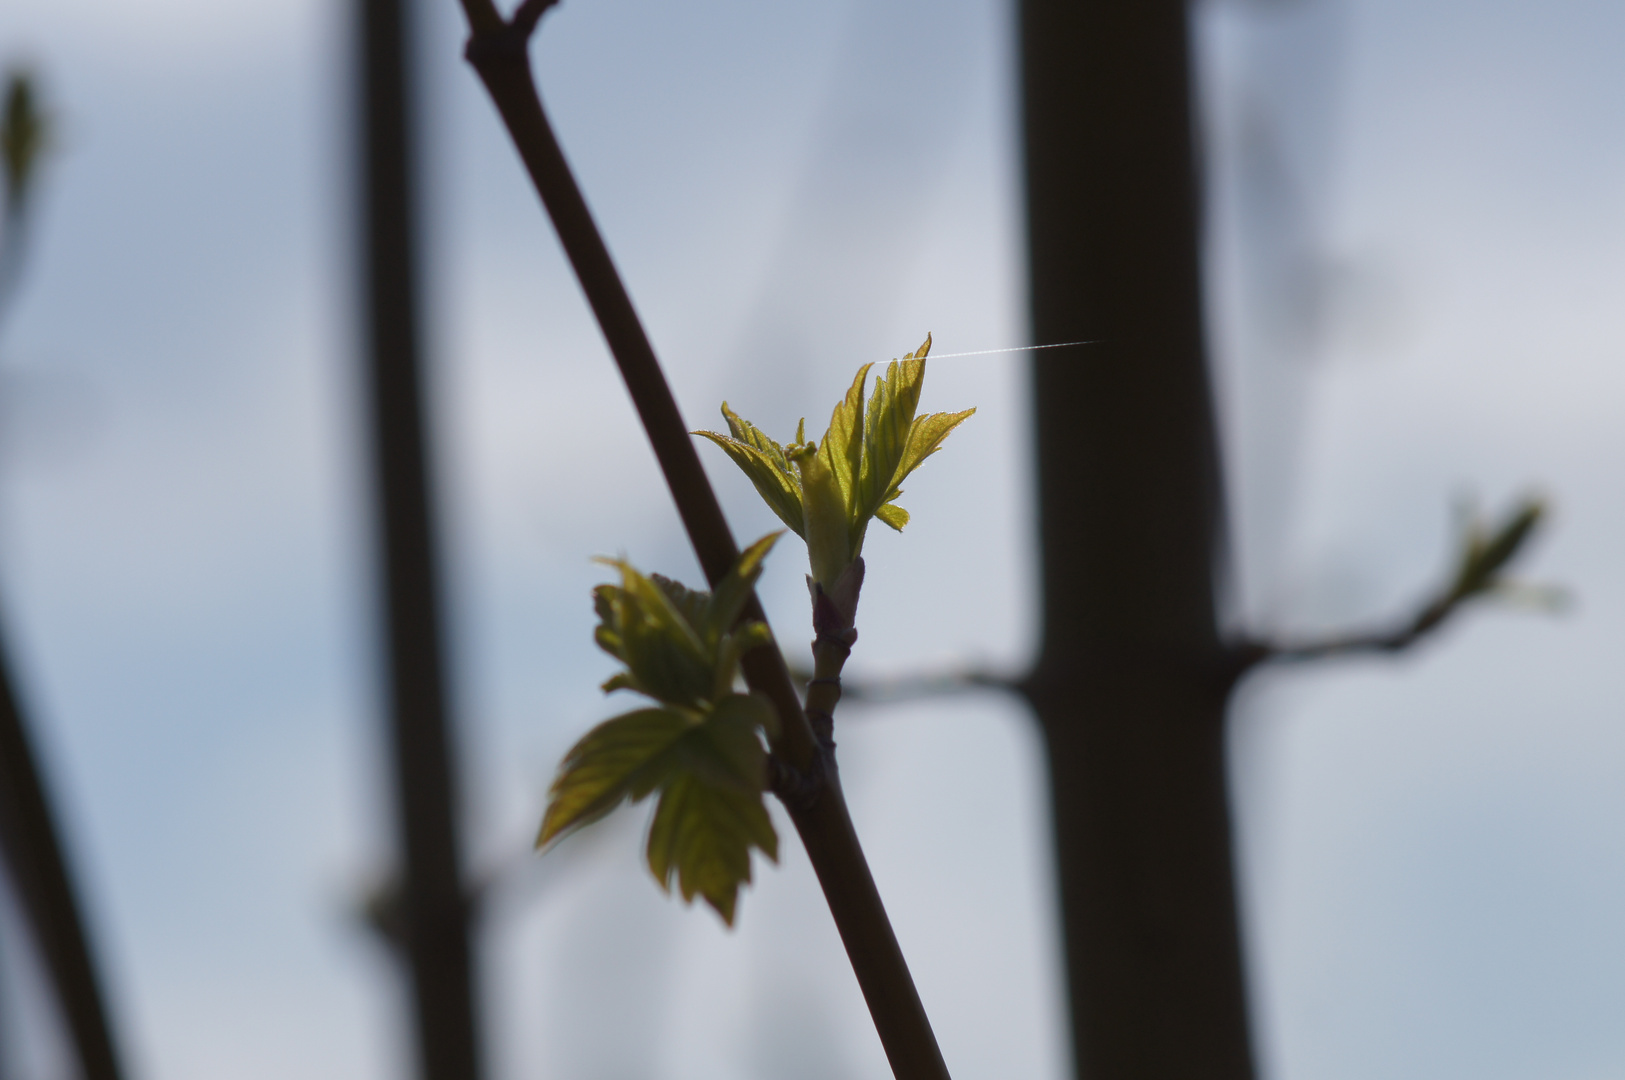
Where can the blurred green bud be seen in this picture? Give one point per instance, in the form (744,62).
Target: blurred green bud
(24,137)
(1487,551)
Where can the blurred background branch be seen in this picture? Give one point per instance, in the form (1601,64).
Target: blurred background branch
(1480,573)
(30,838)
(24,137)
(432,908)
(1487,550)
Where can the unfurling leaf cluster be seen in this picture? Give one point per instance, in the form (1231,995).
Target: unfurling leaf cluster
(699,746)
(828,491)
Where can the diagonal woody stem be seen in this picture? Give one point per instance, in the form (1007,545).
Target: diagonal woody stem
(497,50)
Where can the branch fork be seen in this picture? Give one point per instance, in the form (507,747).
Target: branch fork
(507,39)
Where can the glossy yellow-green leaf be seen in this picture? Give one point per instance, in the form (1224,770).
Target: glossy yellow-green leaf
(924,439)
(625,757)
(842,448)
(749,434)
(781,493)
(702,834)
(855,474)
(886,429)
(765,463)
(893,515)
(828,532)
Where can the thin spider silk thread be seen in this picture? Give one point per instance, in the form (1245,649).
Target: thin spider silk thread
(1016,348)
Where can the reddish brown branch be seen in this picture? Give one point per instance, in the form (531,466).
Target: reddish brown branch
(497,51)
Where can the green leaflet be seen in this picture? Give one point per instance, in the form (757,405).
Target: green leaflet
(828,533)
(678,644)
(711,774)
(764,461)
(842,448)
(625,757)
(690,603)
(703,834)
(701,747)
(893,515)
(662,650)
(711,813)
(855,474)
(925,438)
(886,429)
(725,750)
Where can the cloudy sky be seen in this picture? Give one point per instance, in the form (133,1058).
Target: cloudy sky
(1417,216)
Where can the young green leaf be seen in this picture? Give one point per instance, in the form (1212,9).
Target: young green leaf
(732,728)
(842,448)
(764,462)
(827,493)
(663,651)
(893,515)
(925,438)
(643,625)
(828,532)
(702,748)
(690,603)
(886,429)
(703,834)
(625,757)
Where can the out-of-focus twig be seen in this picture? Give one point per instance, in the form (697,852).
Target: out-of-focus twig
(433,917)
(508,882)
(1480,573)
(912,686)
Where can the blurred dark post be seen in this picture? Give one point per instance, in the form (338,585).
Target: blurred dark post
(33,853)
(1132,681)
(435,904)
